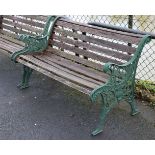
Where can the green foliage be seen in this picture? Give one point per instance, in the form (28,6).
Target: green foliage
(146,90)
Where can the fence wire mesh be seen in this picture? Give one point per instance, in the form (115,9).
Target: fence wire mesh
(146,66)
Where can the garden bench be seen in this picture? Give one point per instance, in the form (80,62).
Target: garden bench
(97,61)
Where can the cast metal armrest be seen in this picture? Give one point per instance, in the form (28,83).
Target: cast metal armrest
(36,44)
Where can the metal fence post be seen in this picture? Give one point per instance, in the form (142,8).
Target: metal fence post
(1,18)
(130,24)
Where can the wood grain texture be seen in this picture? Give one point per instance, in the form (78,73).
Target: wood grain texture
(128,38)
(24,21)
(17,25)
(76,67)
(105,29)
(91,47)
(77,59)
(55,77)
(94,40)
(92,55)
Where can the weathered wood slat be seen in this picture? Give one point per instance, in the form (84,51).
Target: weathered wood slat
(88,54)
(5,42)
(55,77)
(105,29)
(86,71)
(97,49)
(76,59)
(8,34)
(99,32)
(9,48)
(11,40)
(6,46)
(61,73)
(18,31)
(24,21)
(21,26)
(68,71)
(36,17)
(97,41)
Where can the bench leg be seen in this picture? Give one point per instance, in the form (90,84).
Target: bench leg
(26,76)
(102,116)
(105,108)
(132,103)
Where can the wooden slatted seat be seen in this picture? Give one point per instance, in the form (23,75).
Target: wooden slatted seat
(77,54)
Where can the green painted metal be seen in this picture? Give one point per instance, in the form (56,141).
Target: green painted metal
(36,44)
(26,76)
(120,85)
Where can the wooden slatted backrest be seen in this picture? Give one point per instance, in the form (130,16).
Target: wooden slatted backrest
(91,45)
(13,25)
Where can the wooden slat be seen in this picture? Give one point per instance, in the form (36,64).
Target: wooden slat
(25,21)
(53,76)
(105,29)
(10,39)
(36,17)
(67,70)
(19,31)
(10,43)
(61,73)
(97,41)
(21,26)
(76,59)
(100,32)
(9,48)
(81,69)
(97,49)
(8,34)
(88,54)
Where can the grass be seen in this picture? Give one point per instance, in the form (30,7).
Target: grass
(145,90)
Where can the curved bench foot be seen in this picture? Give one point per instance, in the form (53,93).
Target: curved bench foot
(96,132)
(103,113)
(23,86)
(135,112)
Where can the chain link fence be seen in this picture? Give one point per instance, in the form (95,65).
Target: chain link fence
(146,66)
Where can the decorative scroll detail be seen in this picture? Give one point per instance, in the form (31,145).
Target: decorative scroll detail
(36,44)
(122,77)
(120,85)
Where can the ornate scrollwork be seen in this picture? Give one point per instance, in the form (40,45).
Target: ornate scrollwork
(122,77)
(36,44)
(119,86)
